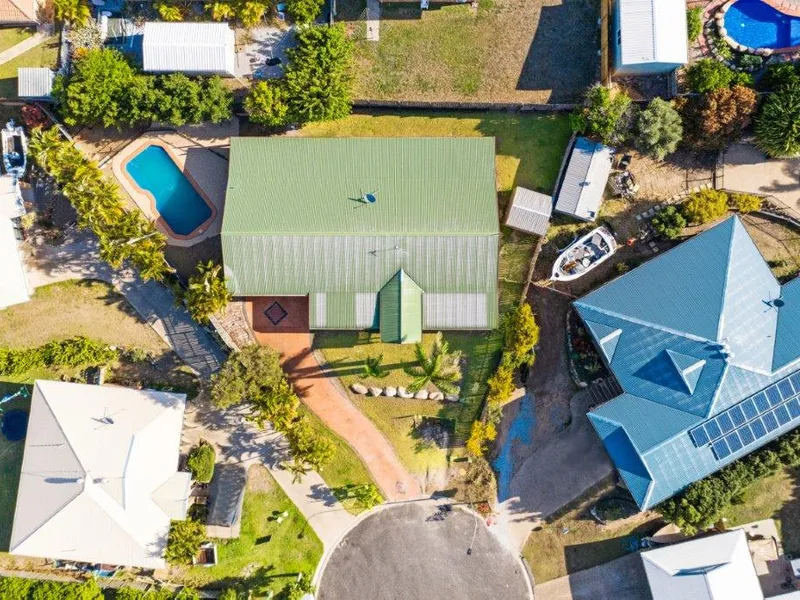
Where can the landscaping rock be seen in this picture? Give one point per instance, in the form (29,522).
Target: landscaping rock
(374,391)
(436,396)
(359,389)
(451,398)
(421,395)
(390,391)
(404,393)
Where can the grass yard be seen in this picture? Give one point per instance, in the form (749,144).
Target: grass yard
(267,555)
(574,541)
(11,37)
(534,51)
(43,55)
(10,467)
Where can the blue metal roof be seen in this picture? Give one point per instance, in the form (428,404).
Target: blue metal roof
(688,335)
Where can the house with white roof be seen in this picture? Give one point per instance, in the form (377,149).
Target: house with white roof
(100,480)
(190,48)
(649,36)
(14,285)
(709,568)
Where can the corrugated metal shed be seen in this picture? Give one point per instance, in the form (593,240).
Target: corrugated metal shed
(688,335)
(580,193)
(35,83)
(296,222)
(530,211)
(652,31)
(191,48)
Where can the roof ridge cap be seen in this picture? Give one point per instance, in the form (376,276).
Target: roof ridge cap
(728,271)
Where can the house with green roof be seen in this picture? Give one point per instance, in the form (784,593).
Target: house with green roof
(705,344)
(398,235)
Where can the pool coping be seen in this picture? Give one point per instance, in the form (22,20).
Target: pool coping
(141,145)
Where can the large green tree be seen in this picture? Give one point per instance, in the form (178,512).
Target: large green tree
(604,115)
(659,129)
(75,12)
(97,89)
(713,120)
(304,11)
(246,375)
(778,123)
(319,76)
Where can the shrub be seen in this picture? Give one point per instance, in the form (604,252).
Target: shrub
(659,129)
(694,22)
(229,594)
(668,223)
(366,495)
(201,462)
(33,116)
(479,437)
(746,203)
(750,61)
(622,267)
(707,75)
(72,11)
(501,384)
(72,352)
(777,133)
(780,75)
(304,11)
(520,335)
(705,206)
(715,119)
(604,115)
(184,541)
(266,103)
(207,293)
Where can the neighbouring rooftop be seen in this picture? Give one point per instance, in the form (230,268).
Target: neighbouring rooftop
(529,211)
(186,47)
(35,83)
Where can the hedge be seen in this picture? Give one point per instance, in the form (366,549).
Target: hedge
(72,352)
(18,588)
(201,462)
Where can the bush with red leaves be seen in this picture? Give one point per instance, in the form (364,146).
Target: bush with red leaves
(33,116)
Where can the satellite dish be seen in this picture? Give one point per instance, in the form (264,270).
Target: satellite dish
(370,198)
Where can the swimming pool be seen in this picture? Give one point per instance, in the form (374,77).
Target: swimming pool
(176,200)
(755,24)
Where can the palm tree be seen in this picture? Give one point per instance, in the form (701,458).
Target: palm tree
(206,293)
(72,11)
(440,368)
(373,369)
(297,468)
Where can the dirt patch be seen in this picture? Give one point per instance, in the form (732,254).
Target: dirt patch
(259,479)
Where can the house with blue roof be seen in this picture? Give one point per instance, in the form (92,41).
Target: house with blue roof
(705,344)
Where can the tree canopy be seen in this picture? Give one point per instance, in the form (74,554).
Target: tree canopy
(659,129)
(778,123)
(713,120)
(668,223)
(184,541)
(266,104)
(75,12)
(207,292)
(604,115)
(304,11)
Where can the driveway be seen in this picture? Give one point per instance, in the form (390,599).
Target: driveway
(263,54)
(621,579)
(415,551)
(747,169)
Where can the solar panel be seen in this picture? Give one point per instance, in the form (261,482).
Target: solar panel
(699,436)
(721,449)
(786,389)
(712,429)
(758,429)
(795,379)
(749,409)
(794,408)
(770,422)
(782,414)
(733,441)
(737,416)
(761,402)
(725,423)
(746,435)
(774,395)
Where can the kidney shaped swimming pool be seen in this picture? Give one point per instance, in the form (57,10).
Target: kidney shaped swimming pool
(756,24)
(176,199)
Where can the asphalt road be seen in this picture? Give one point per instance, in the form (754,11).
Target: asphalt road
(415,552)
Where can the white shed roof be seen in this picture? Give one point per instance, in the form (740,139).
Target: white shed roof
(99,477)
(35,82)
(653,31)
(580,193)
(192,48)
(710,568)
(13,281)
(530,211)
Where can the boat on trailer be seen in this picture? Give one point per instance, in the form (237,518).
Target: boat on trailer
(15,149)
(584,254)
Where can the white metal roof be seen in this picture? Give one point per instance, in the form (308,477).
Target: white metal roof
(653,31)
(13,281)
(11,202)
(530,211)
(99,479)
(583,185)
(192,48)
(35,82)
(711,568)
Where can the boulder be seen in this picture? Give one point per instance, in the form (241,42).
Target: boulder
(375,391)
(436,396)
(390,391)
(359,389)
(404,393)
(451,398)
(421,395)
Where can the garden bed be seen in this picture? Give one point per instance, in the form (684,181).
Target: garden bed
(586,365)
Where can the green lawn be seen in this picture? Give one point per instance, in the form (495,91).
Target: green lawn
(11,37)
(267,555)
(10,467)
(43,55)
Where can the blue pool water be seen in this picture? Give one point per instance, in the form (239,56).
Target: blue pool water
(177,201)
(519,433)
(756,24)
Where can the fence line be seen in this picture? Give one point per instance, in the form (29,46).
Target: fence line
(461,106)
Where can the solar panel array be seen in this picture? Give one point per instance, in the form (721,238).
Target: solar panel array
(751,419)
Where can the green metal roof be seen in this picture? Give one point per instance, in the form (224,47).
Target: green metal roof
(315,185)
(401,310)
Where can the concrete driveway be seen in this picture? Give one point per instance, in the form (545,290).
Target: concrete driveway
(747,169)
(621,579)
(416,551)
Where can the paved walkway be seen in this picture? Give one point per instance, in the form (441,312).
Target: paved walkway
(337,412)
(25,45)
(78,258)
(373,20)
